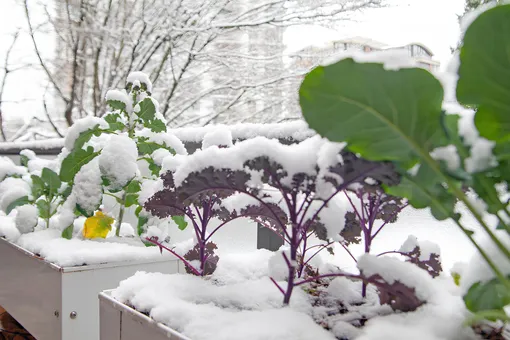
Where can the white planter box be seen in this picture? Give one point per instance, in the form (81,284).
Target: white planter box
(54,302)
(120,322)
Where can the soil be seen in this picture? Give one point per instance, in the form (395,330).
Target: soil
(10,329)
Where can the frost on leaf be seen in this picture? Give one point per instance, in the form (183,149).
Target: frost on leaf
(209,260)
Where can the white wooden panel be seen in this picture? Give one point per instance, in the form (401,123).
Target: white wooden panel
(81,288)
(30,290)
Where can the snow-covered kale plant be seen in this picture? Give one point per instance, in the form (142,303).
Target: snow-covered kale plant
(296,190)
(440,148)
(371,211)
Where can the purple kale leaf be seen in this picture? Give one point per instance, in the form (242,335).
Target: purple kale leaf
(354,169)
(432,265)
(208,259)
(397,295)
(221,183)
(165,203)
(352,229)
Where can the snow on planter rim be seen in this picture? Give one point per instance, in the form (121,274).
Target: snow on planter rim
(53,248)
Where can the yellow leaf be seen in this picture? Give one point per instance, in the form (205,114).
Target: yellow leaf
(97,226)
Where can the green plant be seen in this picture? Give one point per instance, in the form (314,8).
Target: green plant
(136,130)
(388,115)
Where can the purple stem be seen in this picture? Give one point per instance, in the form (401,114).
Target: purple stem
(318,251)
(186,263)
(278,286)
(348,252)
(392,252)
(389,219)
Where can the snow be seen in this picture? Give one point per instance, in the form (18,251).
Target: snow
(345,290)
(295,158)
(117,161)
(333,215)
(148,188)
(8,228)
(121,96)
(478,270)
(164,138)
(11,183)
(392,270)
(12,194)
(328,155)
(82,125)
(239,302)
(8,168)
(278,268)
(426,248)
(218,137)
(480,154)
(51,143)
(204,309)
(449,155)
(52,247)
(141,78)
(159,155)
(26,218)
(36,164)
(297,130)
(88,188)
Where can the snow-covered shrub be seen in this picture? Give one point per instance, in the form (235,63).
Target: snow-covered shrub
(398,115)
(114,155)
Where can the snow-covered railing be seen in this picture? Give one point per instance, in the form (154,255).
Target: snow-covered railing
(192,137)
(40,147)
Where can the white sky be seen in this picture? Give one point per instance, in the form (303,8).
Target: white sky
(433,23)
(430,22)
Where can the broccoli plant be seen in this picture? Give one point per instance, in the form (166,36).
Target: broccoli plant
(437,154)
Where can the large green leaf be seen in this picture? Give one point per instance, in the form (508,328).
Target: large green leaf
(484,72)
(116,104)
(156,125)
(381,114)
(38,186)
(133,187)
(17,203)
(52,180)
(492,295)
(113,122)
(44,208)
(424,190)
(74,161)
(147,110)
